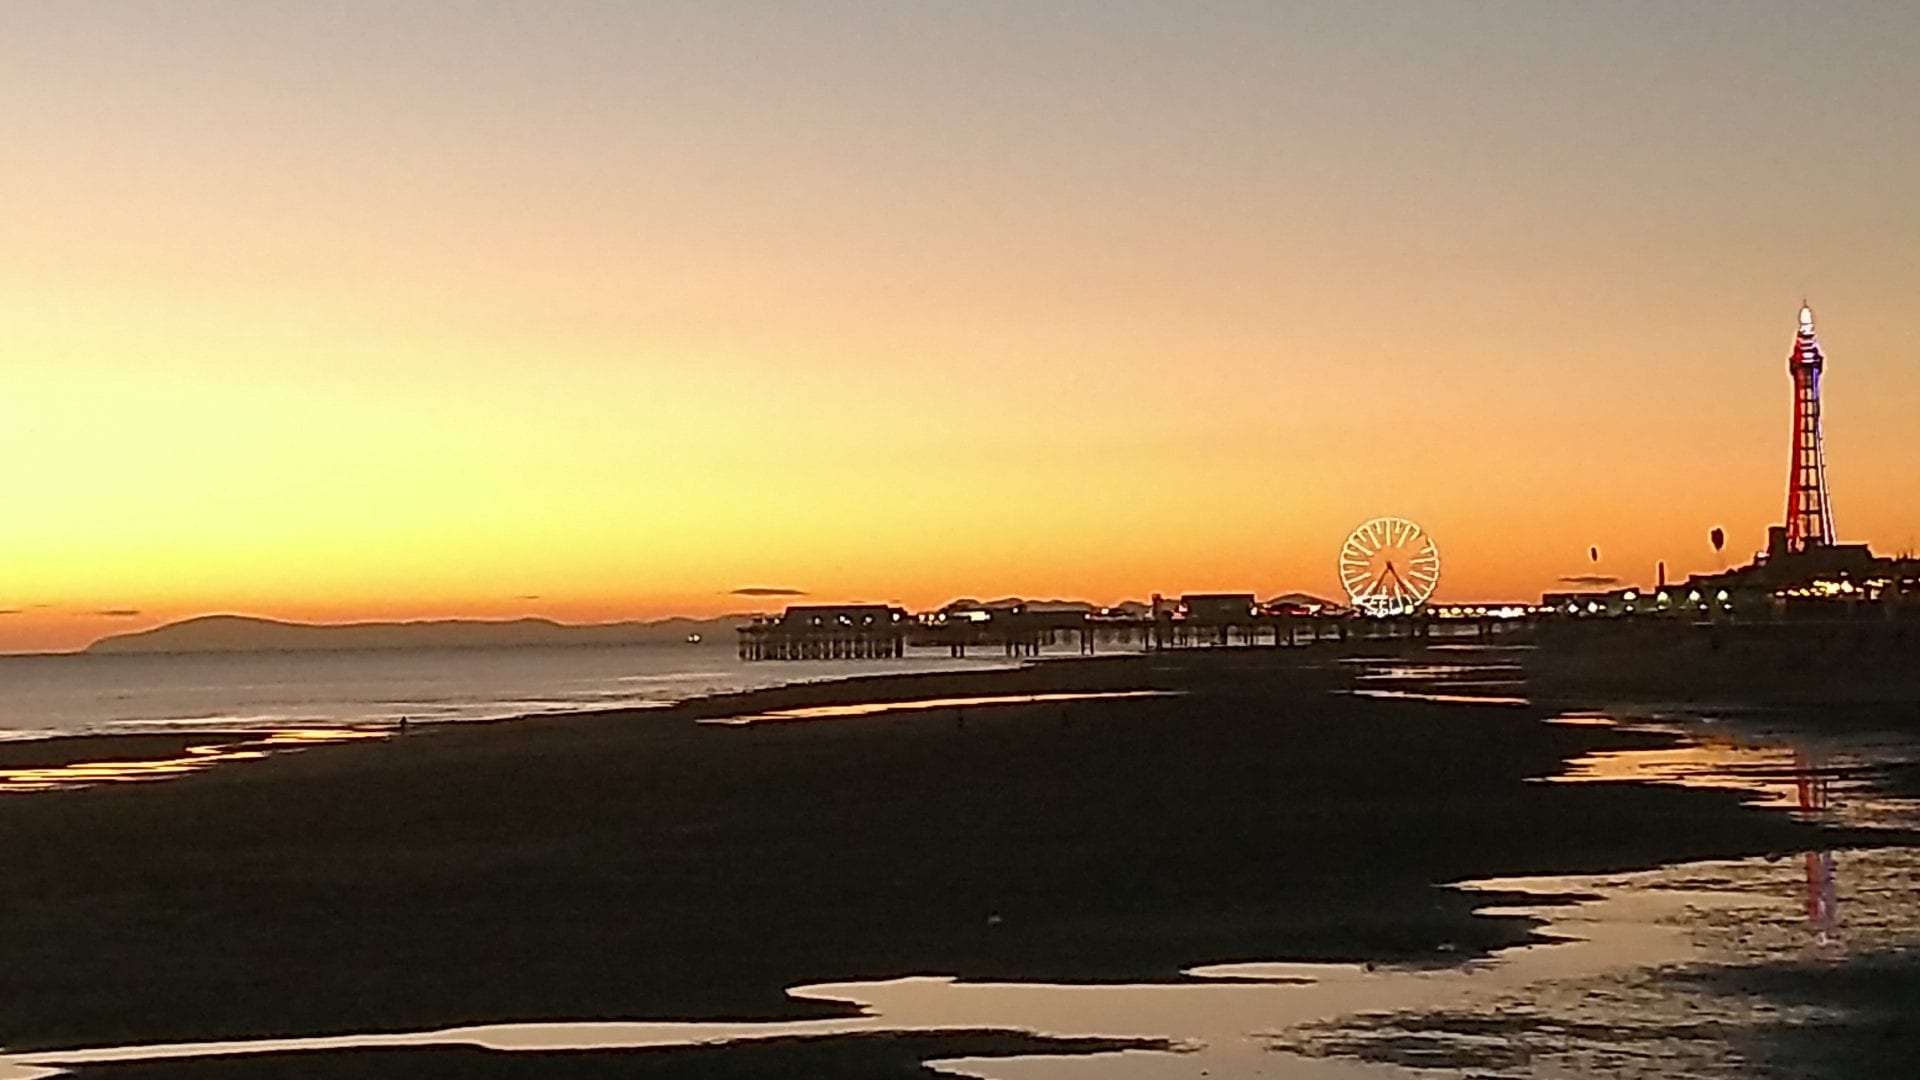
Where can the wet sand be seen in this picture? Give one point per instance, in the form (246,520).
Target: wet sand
(850,1057)
(644,865)
(1856,662)
(66,750)
(1866,1028)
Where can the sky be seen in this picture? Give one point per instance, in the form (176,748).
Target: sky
(594,311)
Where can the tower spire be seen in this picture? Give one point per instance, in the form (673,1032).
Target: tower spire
(1809,508)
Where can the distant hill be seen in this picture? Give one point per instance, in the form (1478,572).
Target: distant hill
(245,633)
(1300,599)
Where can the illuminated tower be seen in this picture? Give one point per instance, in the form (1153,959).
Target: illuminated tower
(1809,510)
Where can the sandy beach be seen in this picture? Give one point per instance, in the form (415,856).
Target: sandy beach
(651,866)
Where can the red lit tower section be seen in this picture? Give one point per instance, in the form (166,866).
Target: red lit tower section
(1809,509)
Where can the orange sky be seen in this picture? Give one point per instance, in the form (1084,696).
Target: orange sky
(325,311)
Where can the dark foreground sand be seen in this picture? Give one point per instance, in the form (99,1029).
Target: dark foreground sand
(639,866)
(1872,662)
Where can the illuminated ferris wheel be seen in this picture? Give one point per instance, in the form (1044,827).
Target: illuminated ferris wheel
(1389,566)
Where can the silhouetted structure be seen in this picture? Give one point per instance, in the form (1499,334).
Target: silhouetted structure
(1017,628)
(1809,520)
(1215,617)
(827,632)
(1803,574)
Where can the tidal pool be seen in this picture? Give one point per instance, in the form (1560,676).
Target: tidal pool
(218,749)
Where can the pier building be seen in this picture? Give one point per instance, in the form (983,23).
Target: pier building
(826,632)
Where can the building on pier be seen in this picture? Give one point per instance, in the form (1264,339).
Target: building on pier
(827,632)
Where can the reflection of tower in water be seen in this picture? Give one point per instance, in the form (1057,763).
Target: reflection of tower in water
(1815,799)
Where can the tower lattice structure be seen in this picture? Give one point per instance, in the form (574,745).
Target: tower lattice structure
(1809,508)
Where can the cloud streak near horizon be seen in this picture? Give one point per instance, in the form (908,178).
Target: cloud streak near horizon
(764,590)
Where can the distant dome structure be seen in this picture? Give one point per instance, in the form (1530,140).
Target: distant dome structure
(1389,566)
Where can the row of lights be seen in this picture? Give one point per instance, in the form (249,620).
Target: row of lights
(1825,589)
(1504,611)
(847,620)
(1662,601)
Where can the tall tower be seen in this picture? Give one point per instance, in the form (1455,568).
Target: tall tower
(1809,509)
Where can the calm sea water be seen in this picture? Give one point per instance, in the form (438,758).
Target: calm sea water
(81,694)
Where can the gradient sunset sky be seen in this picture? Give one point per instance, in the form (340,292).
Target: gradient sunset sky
(593,310)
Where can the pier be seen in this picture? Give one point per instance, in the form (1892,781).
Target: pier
(827,632)
(1020,630)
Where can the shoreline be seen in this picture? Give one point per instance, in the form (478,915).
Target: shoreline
(1549,678)
(637,863)
(52,749)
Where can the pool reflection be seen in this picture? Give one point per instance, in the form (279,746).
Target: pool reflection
(194,758)
(1774,775)
(1815,789)
(1798,779)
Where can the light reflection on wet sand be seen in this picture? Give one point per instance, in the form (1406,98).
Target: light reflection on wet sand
(1771,774)
(1815,783)
(193,759)
(1444,683)
(875,708)
(1442,698)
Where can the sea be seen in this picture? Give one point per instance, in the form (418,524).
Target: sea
(105,694)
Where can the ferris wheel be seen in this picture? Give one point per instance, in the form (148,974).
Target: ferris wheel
(1389,566)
